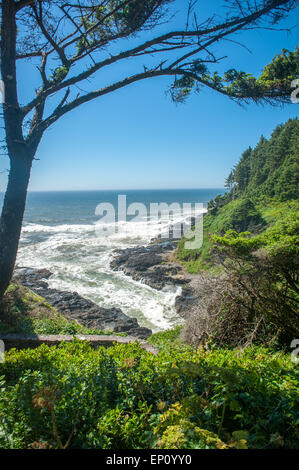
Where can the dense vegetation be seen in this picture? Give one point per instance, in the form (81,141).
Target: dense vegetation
(200,391)
(264,178)
(251,250)
(125,397)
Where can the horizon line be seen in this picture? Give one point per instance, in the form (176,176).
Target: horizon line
(117,189)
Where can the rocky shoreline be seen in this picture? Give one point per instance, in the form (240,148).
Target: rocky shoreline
(151,264)
(75,307)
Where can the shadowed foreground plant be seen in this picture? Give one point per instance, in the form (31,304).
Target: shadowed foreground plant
(45,399)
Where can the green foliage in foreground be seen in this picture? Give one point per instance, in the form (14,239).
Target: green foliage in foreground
(24,312)
(124,397)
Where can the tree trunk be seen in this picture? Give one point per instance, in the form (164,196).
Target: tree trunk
(20,152)
(12,216)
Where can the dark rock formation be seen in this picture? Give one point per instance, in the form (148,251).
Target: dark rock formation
(153,265)
(185,301)
(150,264)
(74,307)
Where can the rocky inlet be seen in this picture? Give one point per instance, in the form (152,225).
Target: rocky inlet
(74,307)
(153,265)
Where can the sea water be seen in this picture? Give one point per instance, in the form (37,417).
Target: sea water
(59,234)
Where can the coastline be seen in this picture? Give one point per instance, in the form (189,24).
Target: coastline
(153,265)
(150,264)
(75,307)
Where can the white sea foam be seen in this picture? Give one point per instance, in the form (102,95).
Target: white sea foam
(80,261)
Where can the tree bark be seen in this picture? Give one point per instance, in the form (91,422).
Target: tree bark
(12,216)
(20,153)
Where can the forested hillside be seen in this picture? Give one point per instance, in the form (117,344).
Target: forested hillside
(271,168)
(249,261)
(261,189)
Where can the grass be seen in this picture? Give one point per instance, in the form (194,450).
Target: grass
(275,211)
(195,261)
(165,339)
(24,312)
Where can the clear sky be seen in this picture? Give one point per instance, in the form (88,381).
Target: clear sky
(137,138)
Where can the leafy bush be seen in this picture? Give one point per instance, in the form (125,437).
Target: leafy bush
(163,339)
(238,215)
(266,177)
(124,397)
(255,300)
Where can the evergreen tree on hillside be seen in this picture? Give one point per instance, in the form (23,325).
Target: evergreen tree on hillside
(242,171)
(229,181)
(271,169)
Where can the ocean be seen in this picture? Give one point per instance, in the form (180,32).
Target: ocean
(60,233)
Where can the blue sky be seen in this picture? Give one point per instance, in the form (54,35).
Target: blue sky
(137,138)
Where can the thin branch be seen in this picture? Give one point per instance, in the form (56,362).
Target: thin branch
(49,38)
(226,28)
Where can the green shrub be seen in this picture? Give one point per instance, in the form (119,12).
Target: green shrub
(122,397)
(239,215)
